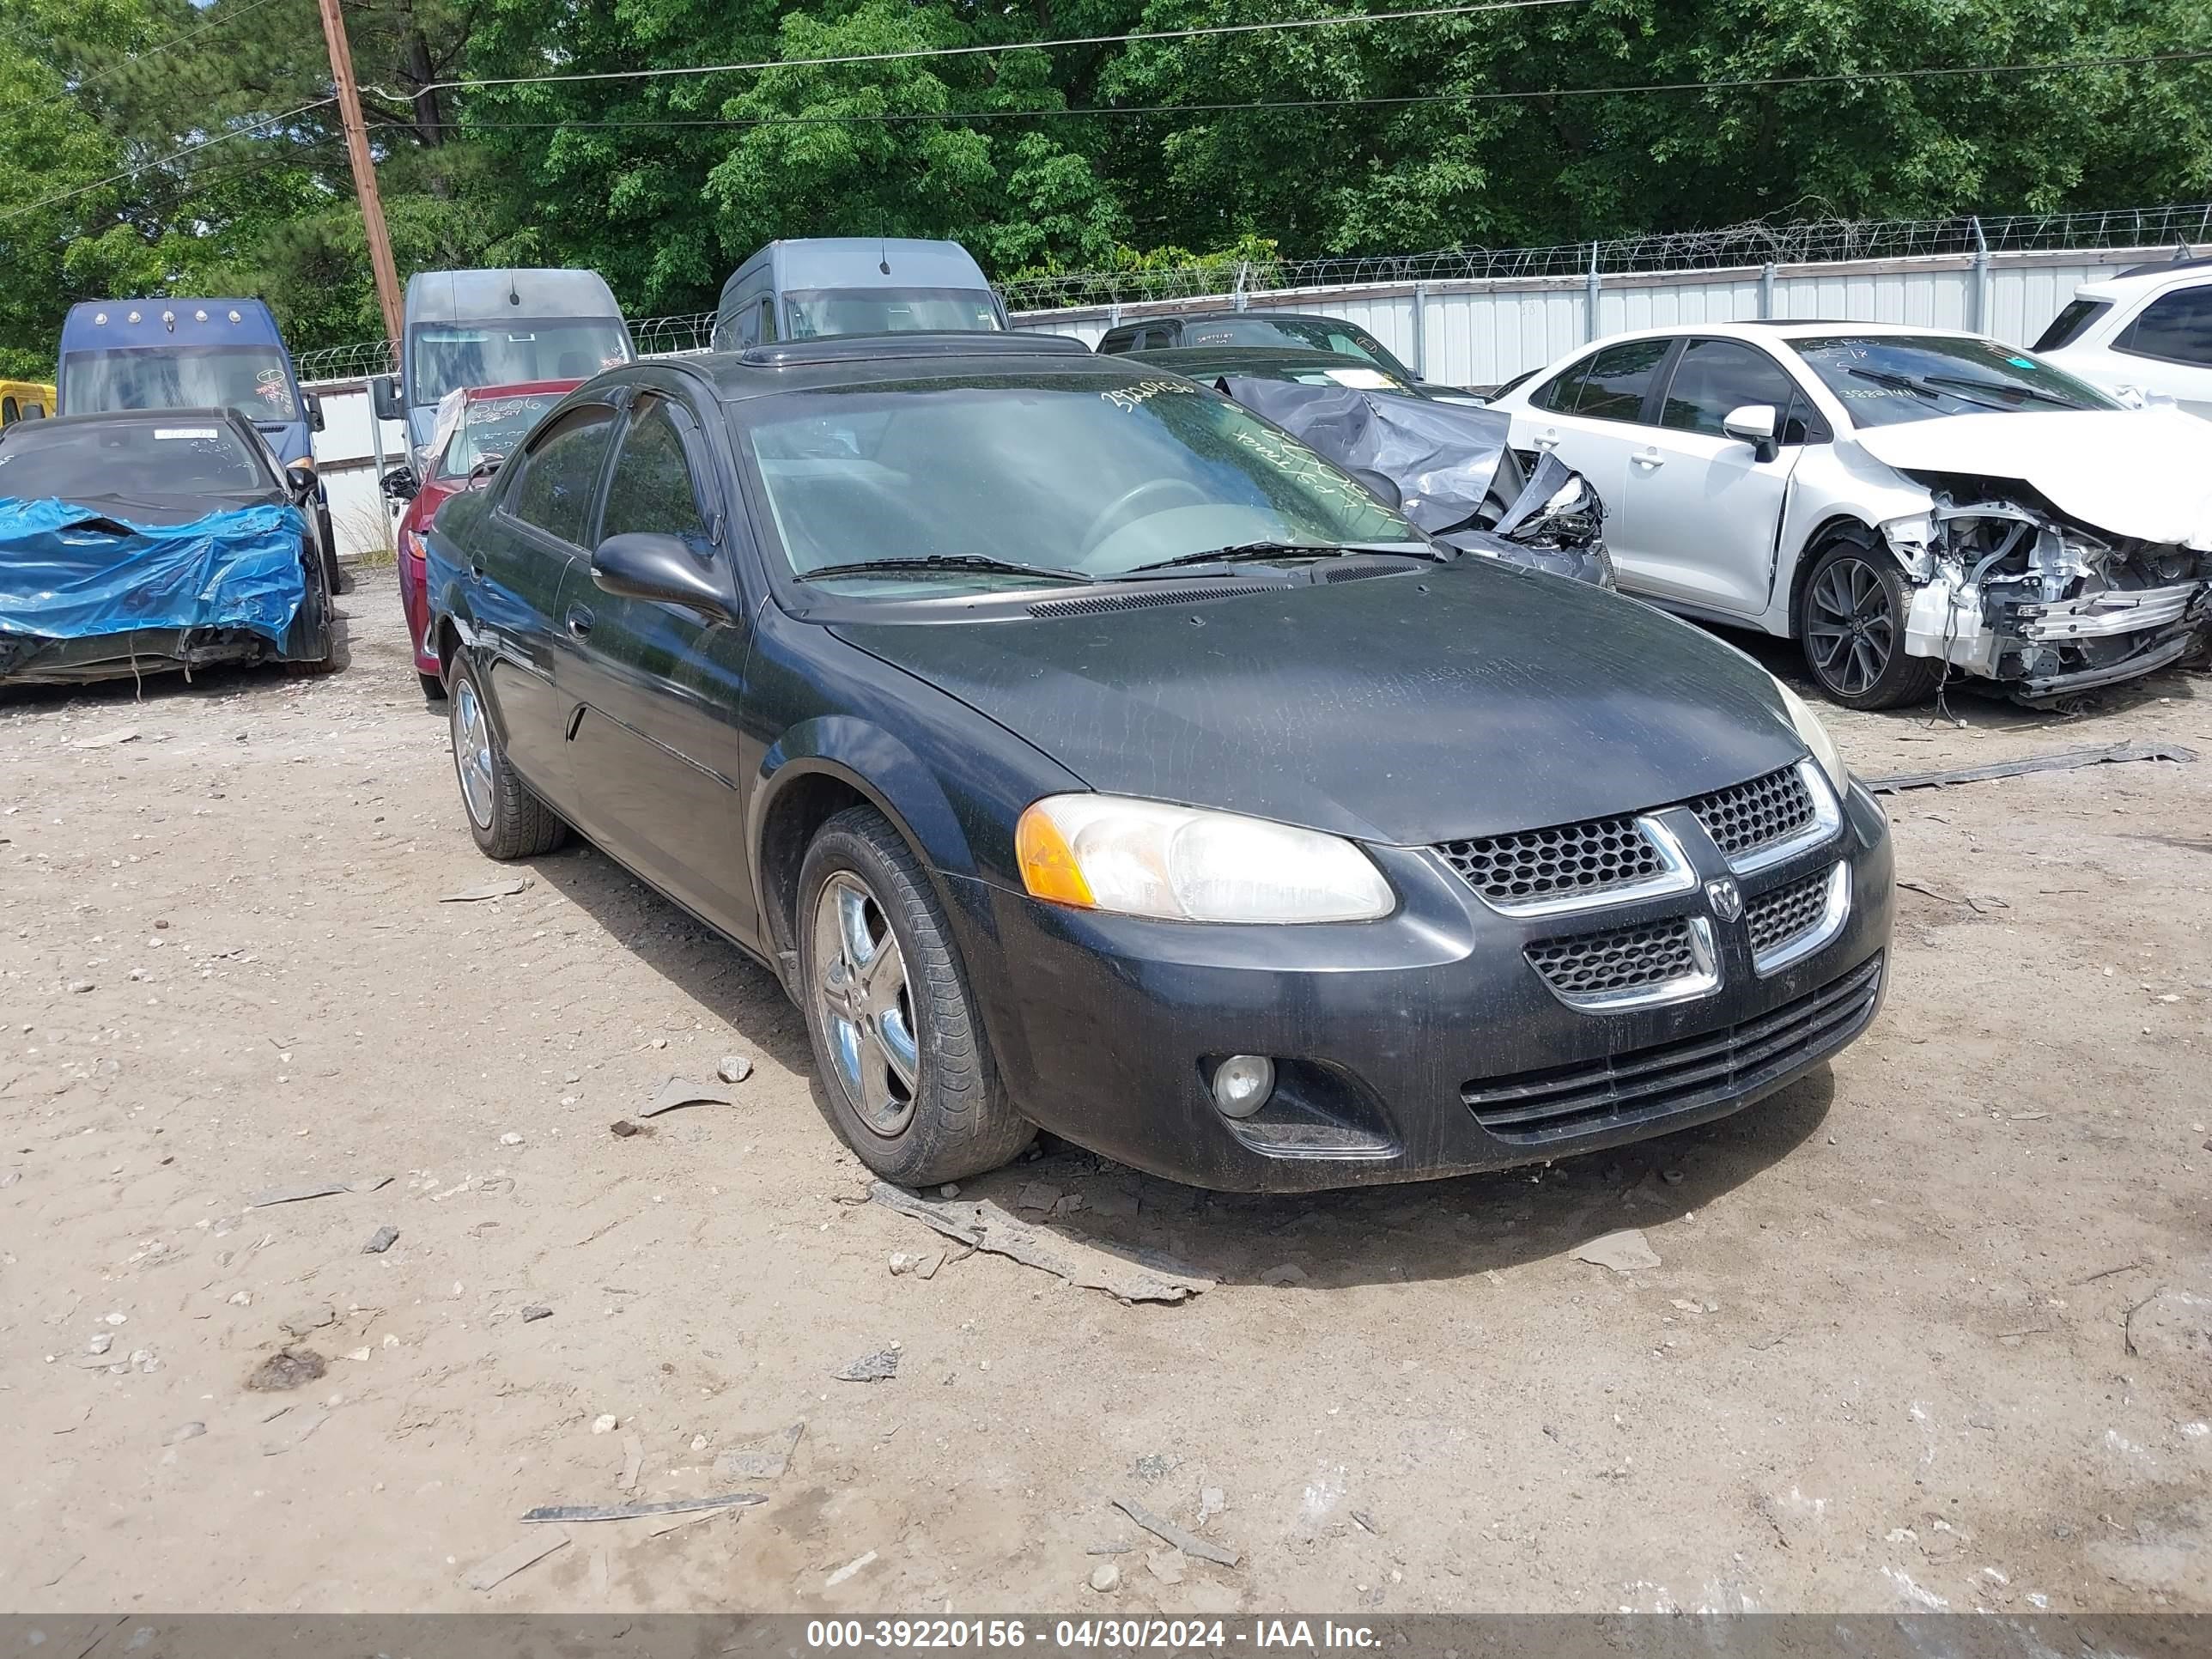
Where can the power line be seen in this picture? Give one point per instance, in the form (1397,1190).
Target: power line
(1334,21)
(162,161)
(223,21)
(1398,101)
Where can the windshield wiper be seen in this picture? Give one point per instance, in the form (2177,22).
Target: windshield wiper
(2004,389)
(950,562)
(1247,552)
(1914,384)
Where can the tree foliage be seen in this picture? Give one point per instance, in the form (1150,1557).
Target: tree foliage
(1389,137)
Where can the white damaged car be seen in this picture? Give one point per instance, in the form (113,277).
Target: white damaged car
(1903,501)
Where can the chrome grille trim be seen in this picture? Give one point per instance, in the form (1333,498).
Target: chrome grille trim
(1827,818)
(1695,957)
(1670,873)
(1792,947)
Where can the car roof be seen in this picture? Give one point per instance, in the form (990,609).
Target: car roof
(851,360)
(1777,328)
(2143,279)
(480,296)
(229,417)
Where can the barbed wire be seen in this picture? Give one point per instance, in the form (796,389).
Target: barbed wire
(1797,242)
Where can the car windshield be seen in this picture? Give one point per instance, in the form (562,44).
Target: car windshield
(1314,333)
(812,312)
(135,458)
(509,353)
(255,380)
(1058,472)
(1885,378)
(490,427)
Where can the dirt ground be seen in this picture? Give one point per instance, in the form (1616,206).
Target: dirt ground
(1888,1360)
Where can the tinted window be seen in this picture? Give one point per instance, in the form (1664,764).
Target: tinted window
(554,492)
(1610,385)
(136,458)
(652,488)
(2066,327)
(814,311)
(1118,340)
(255,380)
(9,413)
(1063,471)
(1307,333)
(513,353)
(1884,378)
(2176,326)
(1714,377)
(763,325)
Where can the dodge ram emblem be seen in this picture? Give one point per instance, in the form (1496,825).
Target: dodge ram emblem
(1726,898)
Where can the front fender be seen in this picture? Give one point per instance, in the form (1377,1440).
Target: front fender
(879,766)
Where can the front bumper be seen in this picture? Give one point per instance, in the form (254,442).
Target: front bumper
(1422,1045)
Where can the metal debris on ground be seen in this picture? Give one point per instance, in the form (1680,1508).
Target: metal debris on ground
(380,1241)
(734,1069)
(764,1459)
(982,1225)
(1625,1251)
(495,1570)
(567,1512)
(491,890)
(879,1367)
(1188,1542)
(2066,761)
(532,1315)
(621,1128)
(321,1189)
(676,1092)
(287,1368)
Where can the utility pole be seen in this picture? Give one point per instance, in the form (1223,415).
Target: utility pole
(364,168)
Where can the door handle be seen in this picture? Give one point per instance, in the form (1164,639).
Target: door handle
(580,620)
(1544,443)
(1651,457)
(476,568)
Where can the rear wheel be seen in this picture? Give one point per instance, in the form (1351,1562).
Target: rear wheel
(506,820)
(896,1036)
(1850,623)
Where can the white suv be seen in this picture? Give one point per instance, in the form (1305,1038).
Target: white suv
(2147,331)
(1904,502)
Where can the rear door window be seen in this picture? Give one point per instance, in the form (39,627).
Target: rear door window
(2068,325)
(1609,384)
(2175,327)
(1713,377)
(560,472)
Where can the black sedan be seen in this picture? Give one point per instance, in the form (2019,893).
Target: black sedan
(145,540)
(1083,753)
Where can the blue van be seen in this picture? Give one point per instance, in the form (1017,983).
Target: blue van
(467,328)
(812,286)
(194,354)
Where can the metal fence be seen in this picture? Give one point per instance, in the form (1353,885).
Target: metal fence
(1807,252)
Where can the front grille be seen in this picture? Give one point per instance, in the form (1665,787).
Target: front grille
(1621,959)
(1776,918)
(1568,857)
(1749,815)
(1563,1101)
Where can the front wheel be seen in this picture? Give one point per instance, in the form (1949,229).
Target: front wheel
(893,1022)
(1850,623)
(506,820)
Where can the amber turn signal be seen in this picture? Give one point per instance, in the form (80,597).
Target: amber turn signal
(1048,868)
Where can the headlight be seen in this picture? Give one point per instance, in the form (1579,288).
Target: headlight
(1145,858)
(1808,726)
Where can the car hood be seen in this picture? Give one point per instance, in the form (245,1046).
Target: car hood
(1450,701)
(2137,472)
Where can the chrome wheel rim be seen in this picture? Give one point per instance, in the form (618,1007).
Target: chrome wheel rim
(867,1007)
(1850,627)
(472,752)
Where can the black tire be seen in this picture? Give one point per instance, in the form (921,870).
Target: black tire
(312,644)
(510,822)
(958,1120)
(432,688)
(1850,626)
(327,538)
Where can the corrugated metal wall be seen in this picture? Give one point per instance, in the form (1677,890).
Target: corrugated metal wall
(1479,333)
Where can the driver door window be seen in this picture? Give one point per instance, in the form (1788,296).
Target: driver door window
(1712,378)
(652,489)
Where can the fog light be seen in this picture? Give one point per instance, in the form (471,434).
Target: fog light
(1242,1083)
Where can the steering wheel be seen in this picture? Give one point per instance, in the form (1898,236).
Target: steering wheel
(1121,507)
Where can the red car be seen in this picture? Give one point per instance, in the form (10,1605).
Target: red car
(479,427)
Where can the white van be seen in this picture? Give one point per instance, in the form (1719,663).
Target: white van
(812,286)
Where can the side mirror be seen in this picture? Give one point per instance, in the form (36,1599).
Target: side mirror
(1754,424)
(300,476)
(398,484)
(1382,486)
(314,405)
(644,565)
(384,394)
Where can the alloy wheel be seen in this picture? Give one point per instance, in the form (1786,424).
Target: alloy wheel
(1850,627)
(867,1010)
(472,751)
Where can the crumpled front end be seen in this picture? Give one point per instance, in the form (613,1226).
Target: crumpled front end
(2013,591)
